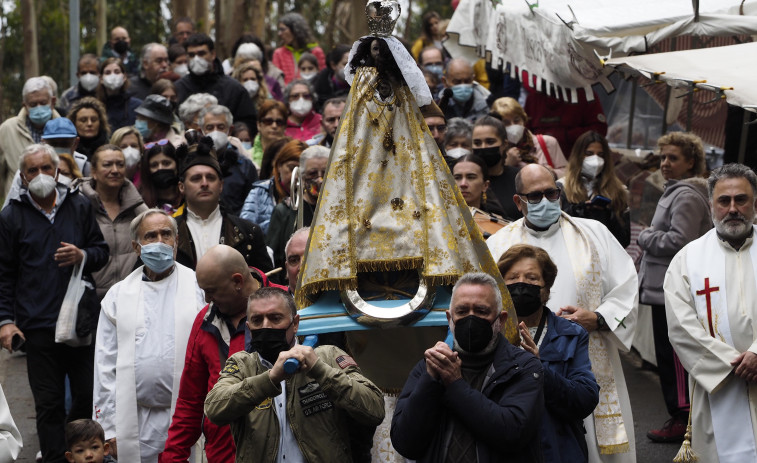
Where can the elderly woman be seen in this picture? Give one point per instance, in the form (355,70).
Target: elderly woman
(592,190)
(570,390)
(303,122)
(266,194)
(91,121)
(458,139)
(296,38)
(116,202)
(682,215)
(525,147)
(189,110)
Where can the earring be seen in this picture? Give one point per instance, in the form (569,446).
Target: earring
(483,198)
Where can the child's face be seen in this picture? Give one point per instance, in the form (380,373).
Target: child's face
(91,451)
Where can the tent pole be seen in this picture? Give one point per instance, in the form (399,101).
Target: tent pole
(690,109)
(744,135)
(631,114)
(665,111)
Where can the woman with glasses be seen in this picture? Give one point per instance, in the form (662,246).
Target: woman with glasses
(272,120)
(91,121)
(682,215)
(266,194)
(592,190)
(303,122)
(159,175)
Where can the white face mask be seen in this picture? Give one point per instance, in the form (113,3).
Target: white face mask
(113,81)
(592,166)
(514,132)
(199,66)
(42,185)
(456,153)
(252,87)
(308,75)
(64,180)
(220,139)
(131,156)
(89,82)
(301,107)
(181,70)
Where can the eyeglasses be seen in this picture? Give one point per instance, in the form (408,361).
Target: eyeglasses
(294,259)
(438,128)
(552,194)
(271,121)
(159,143)
(314,174)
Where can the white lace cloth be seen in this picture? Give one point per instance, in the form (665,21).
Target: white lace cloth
(409,68)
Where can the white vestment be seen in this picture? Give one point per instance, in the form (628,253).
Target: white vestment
(141,343)
(618,304)
(707,358)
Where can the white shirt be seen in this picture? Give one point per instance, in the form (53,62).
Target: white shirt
(289,451)
(205,233)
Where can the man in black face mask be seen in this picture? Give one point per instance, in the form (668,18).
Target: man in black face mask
(304,416)
(480,401)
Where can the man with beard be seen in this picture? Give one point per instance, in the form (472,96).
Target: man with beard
(479,400)
(710,293)
(43,234)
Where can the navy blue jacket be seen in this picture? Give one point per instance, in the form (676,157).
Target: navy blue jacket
(504,416)
(32,285)
(570,390)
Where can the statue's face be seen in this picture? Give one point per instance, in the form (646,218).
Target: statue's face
(375,50)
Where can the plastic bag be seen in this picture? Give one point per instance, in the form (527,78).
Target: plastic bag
(65,328)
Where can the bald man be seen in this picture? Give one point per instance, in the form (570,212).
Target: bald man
(468,96)
(218,332)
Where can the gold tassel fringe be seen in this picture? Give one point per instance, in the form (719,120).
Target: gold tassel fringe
(686,453)
(613,449)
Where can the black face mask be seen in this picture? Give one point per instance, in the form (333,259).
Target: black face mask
(164,178)
(473,333)
(491,155)
(269,342)
(526,298)
(121,47)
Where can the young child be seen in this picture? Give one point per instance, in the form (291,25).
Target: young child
(85,441)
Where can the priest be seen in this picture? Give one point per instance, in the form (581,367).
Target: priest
(596,287)
(141,342)
(710,294)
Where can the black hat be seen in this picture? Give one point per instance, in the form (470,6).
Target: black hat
(157,108)
(200,154)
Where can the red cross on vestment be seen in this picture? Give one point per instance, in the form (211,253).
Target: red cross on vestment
(706,292)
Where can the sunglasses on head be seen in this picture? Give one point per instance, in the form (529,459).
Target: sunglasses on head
(159,143)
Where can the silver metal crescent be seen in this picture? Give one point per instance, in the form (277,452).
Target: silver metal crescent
(368,314)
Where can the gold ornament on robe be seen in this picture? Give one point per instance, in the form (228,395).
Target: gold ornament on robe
(389,203)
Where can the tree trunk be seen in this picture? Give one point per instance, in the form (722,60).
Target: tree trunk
(258,13)
(31,55)
(181,9)
(408,23)
(201,16)
(101,28)
(358,25)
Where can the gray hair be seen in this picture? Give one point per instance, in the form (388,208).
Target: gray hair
(193,105)
(35,84)
(312,152)
(731,170)
(299,27)
(216,110)
(147,51)
(458,127)
(249,51)
(137,222)
(296,232)
(480,279)
(269,292)
(36,148)
(288,89)
(53,85)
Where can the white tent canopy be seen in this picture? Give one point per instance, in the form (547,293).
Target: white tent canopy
(727,71)
(555,42)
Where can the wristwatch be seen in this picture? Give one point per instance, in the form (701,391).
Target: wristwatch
(601,323)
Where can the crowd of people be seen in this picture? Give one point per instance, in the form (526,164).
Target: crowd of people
(170,193)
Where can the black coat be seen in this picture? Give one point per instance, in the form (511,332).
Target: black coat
(504,416)
(32,285)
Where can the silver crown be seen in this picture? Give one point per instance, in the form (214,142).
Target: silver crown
(382,16)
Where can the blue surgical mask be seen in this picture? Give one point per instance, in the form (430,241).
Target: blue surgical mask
(462,92)
(435,69)
(247,145)
(543,214)
(158,257)
(141,126)
(40,114)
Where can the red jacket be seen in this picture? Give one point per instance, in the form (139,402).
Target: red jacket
(206,354)
(286,59)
